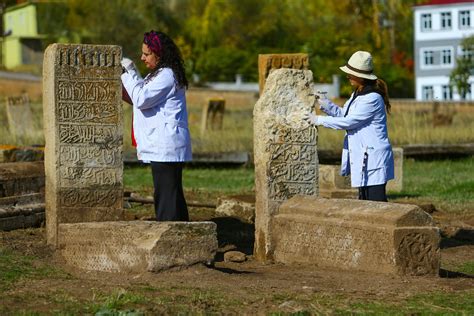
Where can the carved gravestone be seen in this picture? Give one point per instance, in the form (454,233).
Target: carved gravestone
(267,62)
(286,161)
(356,235)
(83,130)
(213,115)
(19,115)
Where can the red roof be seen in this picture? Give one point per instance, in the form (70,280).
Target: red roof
(442,2)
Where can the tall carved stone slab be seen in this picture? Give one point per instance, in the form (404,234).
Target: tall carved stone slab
(286,161)
(267,62)
(356,235)
(83,129)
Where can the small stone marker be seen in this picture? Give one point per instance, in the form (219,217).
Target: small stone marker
(19,116)
(396,185)
(356,235)
(83,130)
(267,62)
(137,246)
(238,206)
(286,161)
(333,185)
(213,115)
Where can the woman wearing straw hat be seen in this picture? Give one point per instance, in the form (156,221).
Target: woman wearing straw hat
(367,154)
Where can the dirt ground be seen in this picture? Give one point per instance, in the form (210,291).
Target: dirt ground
(228,287)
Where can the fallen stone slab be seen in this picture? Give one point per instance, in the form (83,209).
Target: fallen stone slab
(21,217)
(137,246)
(356,235)
(20,178)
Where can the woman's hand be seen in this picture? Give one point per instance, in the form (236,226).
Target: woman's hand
(311,118)
(128,65)
(321,97)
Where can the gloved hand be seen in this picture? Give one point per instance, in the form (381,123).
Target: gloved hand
(128,64)
(321,97)
(311,118)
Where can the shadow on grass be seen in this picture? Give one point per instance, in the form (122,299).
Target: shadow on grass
(402,195)
(454,274)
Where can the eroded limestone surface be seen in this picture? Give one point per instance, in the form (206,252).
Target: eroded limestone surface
(83,120)
(359,235)
(137,246)
(286,161)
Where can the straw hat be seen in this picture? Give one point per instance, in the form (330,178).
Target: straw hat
(360,65)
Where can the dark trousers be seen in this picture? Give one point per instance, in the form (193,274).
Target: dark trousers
(373,193)
(170,204)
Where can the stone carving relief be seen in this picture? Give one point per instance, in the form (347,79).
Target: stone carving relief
(416,253)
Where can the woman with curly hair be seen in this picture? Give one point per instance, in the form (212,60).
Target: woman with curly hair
(160,121)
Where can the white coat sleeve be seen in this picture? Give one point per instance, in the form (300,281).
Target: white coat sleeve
(361,113)
(145,96)
(331,109)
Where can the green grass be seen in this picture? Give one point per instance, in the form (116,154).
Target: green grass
(447,183)
(14,267)
(225,181)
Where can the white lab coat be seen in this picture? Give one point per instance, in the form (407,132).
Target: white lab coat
(160,118)
(367,153)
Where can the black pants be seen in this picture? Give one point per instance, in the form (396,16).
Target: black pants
(373,193)
(170,204)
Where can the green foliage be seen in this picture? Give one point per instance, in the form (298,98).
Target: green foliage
(220,64)
(222,38)
(464,68)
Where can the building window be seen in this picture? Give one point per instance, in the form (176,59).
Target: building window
(447,92)
(446,57)
(426,22)
(466,53)
(445,20)
(428,57)
(427,92)
(464,19)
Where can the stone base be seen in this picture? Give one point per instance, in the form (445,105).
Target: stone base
(356,235)
(339,194)
(137,246)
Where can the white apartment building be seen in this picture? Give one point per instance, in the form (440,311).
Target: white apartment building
(439,27)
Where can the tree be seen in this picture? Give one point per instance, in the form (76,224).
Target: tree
(464,68)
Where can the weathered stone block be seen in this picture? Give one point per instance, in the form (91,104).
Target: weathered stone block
(238,206)
(212,116)
(358,235)
(286,161)
(19,116)
(333,185)
(137,246)
(10,153)
(83,120)
(21,178)
(267,62)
